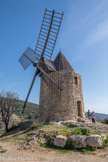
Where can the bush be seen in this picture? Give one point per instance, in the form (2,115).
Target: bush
(83,131)
(69,145)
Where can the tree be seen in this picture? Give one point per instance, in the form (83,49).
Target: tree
(7,106)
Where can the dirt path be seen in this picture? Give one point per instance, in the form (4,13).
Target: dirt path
(46,155)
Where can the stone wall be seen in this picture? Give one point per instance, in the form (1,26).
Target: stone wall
(65,108)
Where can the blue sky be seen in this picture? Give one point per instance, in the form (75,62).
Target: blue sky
(83,39)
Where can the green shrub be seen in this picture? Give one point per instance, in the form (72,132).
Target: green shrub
(83,131)
(41,125)
(63,151)
(77,131)
(88,151)
(69,145)
(96,133)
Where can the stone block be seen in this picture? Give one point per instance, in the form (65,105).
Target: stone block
(78,141)
(60,141)
(94,140)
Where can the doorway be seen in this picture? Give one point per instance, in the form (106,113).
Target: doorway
(79,108)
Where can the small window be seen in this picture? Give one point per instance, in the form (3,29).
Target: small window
(75,80)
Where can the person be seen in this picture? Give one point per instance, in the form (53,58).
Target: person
(93,117)
(89,114)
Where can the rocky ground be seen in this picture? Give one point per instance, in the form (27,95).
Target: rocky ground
(23,143)
(97,127)
(48,155)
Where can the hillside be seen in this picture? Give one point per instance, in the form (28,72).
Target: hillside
(31,109)
(30,112)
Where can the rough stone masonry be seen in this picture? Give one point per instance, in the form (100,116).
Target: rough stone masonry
(70,105)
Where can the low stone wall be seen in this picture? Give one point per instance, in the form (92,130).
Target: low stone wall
(78,141)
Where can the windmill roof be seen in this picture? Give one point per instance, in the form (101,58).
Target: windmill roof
(61,63)
(50,64)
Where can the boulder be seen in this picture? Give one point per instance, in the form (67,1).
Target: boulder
(14,120)
(60,141)
(78,141)
(94,140)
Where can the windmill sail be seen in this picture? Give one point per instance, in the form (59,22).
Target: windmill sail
(27,58)
(44,49)
(48,33)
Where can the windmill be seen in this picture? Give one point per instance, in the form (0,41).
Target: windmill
(43,51)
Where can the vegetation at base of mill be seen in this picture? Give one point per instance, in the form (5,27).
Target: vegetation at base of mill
(71,131)
(87,150)
(49,131)
(82,131)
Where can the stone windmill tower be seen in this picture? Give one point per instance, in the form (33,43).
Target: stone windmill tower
(70,104)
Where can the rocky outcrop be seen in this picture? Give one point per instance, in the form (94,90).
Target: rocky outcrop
(78,141)
(60,141)
(94,140)
(14,120)
(85,123)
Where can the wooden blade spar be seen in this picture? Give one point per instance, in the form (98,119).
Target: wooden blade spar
(49,78)
(35,75)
